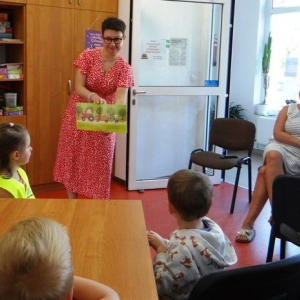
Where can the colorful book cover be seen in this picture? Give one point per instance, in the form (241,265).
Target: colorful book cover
(101,117)
(13,113)
(12,108)
(3,71)
(15,71)
(15,76)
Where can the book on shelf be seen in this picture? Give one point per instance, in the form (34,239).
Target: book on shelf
(15,76)
(6,35)
(12,66)
(14,71)
(11,71)
(11,40)
(13,113)
(12,108)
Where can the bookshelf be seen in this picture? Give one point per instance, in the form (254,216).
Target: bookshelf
(12,51)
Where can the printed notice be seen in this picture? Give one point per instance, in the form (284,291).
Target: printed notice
(177,54)
(154,51)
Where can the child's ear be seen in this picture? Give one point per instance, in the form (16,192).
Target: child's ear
(15,155)
(171,208)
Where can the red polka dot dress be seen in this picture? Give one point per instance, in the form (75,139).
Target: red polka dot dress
(84,158)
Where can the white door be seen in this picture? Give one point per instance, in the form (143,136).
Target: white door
(179,54)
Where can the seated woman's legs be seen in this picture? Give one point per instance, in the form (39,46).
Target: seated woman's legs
(259,199)
(274,167)
(262,192)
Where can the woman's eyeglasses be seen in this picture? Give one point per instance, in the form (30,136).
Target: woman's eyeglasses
(117,41)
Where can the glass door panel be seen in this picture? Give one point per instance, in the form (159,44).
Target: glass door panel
(183,55)
(177,126)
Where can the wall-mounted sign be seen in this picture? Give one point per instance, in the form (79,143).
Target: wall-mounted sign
(93,39)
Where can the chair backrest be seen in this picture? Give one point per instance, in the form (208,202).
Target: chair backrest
(270,281)
(232,134)
(286,203)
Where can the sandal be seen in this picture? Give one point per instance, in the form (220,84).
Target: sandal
(245,235)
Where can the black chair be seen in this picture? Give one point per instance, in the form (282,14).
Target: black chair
(271,281)
(290,234)
(229,134)
(285,213)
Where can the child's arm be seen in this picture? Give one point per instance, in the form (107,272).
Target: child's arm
(5,194)
(159,244)
(86,289)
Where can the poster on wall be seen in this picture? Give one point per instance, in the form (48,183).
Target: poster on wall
(177,54)
(93,39)
(101,117)
(155,51)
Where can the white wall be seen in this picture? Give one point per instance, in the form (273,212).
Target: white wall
(251,24)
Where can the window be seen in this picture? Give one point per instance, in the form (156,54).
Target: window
(285,3)
(285,58)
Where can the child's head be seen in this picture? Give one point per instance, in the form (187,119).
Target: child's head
(190,193)
(35,261)
(14,145)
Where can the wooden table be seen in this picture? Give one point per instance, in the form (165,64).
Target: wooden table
(108,238)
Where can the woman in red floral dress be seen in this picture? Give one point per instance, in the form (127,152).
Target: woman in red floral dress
(84,158)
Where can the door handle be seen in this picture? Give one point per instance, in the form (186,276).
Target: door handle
(70,86)
(135,92)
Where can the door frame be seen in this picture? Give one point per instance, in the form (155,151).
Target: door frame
(127,10)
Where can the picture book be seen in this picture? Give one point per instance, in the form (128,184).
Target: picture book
(101,117)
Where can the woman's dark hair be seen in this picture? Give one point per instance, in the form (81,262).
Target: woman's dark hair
(114,24)
(12,138)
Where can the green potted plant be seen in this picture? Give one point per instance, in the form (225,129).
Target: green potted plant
(262,108)
(236,111)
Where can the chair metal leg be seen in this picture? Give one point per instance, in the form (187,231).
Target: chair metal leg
(235,189)
(190,164)
(271,246)
(249,180)
(282,248)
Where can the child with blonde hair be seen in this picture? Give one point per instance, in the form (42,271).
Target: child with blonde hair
(36,264)
(198,246)
(15,151)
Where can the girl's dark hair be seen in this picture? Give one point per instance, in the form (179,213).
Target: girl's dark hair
(12,138)
(191,193)
(114,24)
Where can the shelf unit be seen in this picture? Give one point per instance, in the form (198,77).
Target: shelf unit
(14,52)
